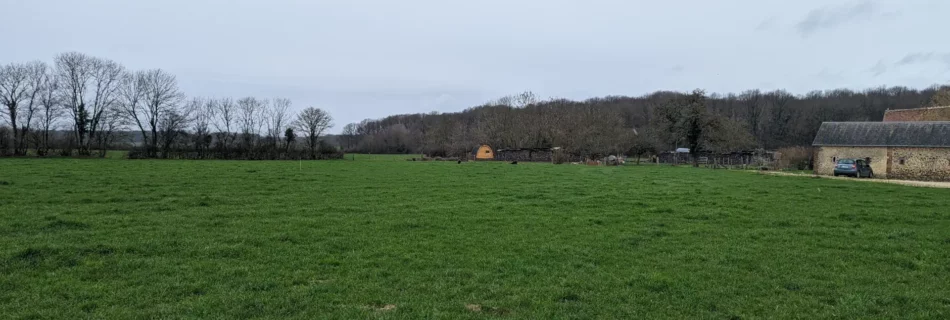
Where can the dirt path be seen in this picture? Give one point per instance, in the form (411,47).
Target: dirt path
(929,184)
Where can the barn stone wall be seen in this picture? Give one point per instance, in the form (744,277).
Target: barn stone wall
(928,164)
(925,164)
(825,158)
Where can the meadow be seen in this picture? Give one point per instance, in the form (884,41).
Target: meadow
(394,239)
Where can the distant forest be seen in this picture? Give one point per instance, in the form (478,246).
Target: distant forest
(657,122)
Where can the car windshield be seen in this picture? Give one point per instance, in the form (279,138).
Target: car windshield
(846,161)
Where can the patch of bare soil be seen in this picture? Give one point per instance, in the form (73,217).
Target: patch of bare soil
(928,184)
(492,310)
(381,307)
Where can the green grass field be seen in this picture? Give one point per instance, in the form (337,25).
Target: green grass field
(103,239)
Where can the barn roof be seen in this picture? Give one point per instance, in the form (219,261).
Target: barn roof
(884,134)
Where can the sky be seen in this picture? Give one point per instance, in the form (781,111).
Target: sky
(362,59)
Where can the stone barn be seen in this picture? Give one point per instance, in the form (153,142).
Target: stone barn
(918,150)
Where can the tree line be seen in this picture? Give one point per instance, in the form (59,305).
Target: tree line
(83,105)
(650,124)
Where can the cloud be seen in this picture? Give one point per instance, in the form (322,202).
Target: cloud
(677,69)
(829,75)
(766,24)
(924,57)
(879,68)
(916,58)
(830,17)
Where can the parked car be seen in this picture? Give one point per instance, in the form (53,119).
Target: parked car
(853,168)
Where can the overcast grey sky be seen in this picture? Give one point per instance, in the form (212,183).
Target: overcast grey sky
(368,59)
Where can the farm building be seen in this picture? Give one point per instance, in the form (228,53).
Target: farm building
(483,152)
(917,150)
(919,114)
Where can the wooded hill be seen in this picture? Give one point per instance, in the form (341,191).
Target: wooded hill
(645,124)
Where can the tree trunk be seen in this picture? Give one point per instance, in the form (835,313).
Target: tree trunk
(153,145)
(24,132)
(16,131)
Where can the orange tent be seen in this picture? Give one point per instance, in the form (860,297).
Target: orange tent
(483,152)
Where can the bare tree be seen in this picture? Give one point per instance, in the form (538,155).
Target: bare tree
(90,87)
(642,143)
(249,120)
(349,136)
(73,72)
(107,76)
(132,93)
(50,112)
(779,117)
(37,76)
(226,116)
(507,101)
(161,97)
(261,121)
(111,120)
(313,122)
(203,113)
(14,85)
(277,120)
(173,124)
(752,99)
(525,99)
(941,98)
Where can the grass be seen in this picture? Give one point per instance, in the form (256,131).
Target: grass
(107,239)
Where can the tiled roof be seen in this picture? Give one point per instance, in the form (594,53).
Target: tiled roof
(884,134)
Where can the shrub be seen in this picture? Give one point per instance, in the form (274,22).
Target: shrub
(794,158)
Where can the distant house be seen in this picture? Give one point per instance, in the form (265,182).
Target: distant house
(916,150)
(919,114)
